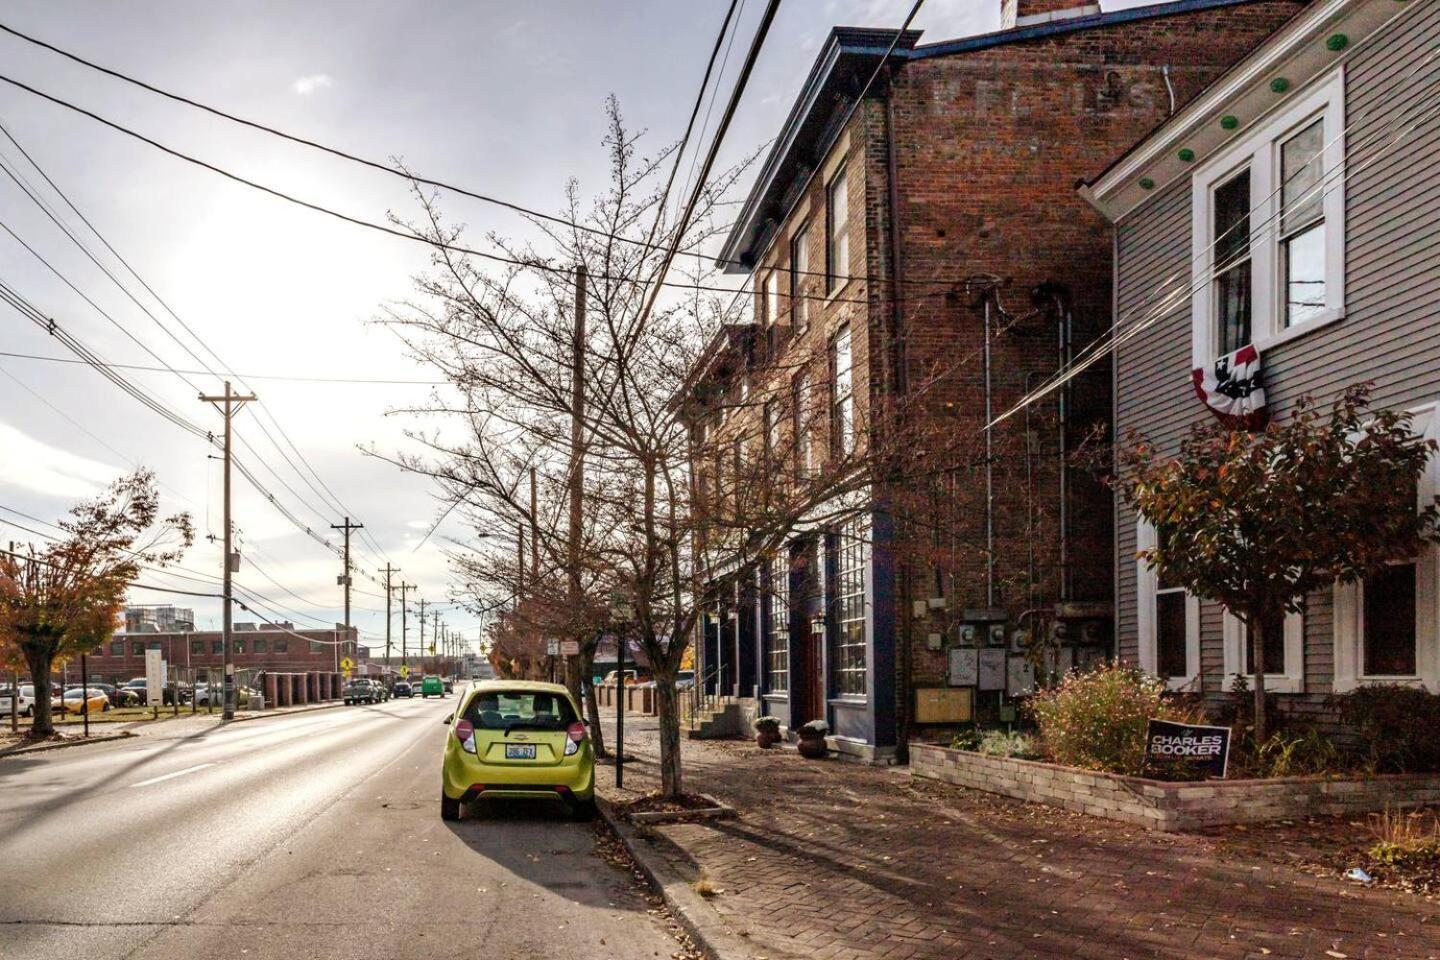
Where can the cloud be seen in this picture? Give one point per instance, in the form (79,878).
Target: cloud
(34,465)
(309,84)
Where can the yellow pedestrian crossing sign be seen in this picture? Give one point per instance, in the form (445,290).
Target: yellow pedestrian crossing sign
(404,670)
(347,664)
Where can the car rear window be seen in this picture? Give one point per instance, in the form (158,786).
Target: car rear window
(519,709)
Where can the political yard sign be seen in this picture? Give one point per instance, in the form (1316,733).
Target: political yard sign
(1204,750)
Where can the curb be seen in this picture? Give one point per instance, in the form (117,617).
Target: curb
(713,935)
(62,744)
(286,712)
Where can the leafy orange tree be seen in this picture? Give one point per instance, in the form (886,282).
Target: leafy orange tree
(1256,520)
(62,599)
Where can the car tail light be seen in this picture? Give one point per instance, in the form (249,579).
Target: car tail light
(465,733)
(574,736)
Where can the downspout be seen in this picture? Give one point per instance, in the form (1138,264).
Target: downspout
(1064,355)
(898,384)
(989,466)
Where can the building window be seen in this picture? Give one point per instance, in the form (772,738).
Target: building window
(771,432)
(1302,224)
(842,396)
(217,646)
(260,645)
(800,278)
(137,649)
(1387,627)
(778,652)
(238,645)
(770,305)
(316,646)
(804,438)
(1388,646)
(282,645)
(1268,232)
(837,230)
(852,557)
(1284,653)
(197,647)
(1232,262)
(117,648)
(1169,622)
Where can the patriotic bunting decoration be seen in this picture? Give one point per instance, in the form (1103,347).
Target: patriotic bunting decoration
(1233,387)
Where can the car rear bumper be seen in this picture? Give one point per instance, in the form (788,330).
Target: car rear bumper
(470,780)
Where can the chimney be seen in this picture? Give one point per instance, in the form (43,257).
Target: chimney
(1024,13)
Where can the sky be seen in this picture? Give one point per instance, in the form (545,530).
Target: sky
(503,97)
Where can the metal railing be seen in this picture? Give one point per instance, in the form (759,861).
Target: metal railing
(701,703)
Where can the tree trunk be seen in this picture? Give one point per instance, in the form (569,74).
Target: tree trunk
(42,724)
(667,704)
(585,670)
(1257,675)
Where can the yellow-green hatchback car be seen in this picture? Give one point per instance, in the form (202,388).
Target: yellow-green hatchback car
(512,739)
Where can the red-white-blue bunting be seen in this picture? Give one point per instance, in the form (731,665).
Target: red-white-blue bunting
(1233,388)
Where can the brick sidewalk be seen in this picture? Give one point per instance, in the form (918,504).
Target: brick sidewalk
(837,860)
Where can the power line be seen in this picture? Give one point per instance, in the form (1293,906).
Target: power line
(248,376)
(394,169)
(532,264)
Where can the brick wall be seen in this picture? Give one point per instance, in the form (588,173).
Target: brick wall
(180,650)
(1159,805)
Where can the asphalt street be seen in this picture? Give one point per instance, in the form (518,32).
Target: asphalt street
(311,835)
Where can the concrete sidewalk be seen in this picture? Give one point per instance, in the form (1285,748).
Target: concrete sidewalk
(838,860)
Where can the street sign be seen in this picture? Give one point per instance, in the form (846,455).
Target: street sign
(404,670)
(569,648)
(552,648)
(347,665)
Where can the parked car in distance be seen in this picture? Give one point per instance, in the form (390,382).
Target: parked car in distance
(402,689)
(511,739)
(449,685)
(614,677)
(119,696)
(431,687)
(381,694)
(357,691)
(82,700)
(25,703)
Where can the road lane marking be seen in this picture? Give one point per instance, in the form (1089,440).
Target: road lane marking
(168,776)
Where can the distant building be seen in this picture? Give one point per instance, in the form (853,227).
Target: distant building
(264,647)
(159,618)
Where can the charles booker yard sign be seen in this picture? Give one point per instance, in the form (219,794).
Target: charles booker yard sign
(1204,749)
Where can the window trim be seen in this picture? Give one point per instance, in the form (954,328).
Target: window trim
(1147,585)
(799,252)
(1260,152)
(843,433)
(1350,597)
(841,172)
(1234,637)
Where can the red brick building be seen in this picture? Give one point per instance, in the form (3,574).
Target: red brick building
(279,648)
(930,254)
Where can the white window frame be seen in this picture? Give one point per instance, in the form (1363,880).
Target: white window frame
(1147,585)
(837,230)
(1260,152)
(1350,597)
(1236,635)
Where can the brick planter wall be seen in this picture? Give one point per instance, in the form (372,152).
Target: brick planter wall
(1162,805)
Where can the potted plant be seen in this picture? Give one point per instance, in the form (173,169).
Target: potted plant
(767,732)
(812,739)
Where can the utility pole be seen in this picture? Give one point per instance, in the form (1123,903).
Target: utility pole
(227,403)
(577,459)
(404,622)
(388,571)
(344,580)
(422,636)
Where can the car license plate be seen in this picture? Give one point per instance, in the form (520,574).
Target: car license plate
(519,751)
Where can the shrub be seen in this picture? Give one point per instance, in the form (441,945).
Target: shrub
(770,725)
(1405,839)
(815,728)
(1398,727)
(967,739)
(1096,720)
(1286,754)
(999,743)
